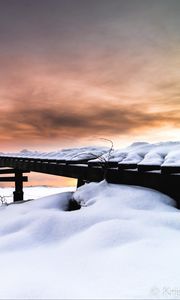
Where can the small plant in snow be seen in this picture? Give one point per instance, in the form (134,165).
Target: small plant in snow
(104,159)
(3,201)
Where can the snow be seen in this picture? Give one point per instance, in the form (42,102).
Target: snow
(172,158)
(146,154)
(166,153)
(159,153)
(34,192)
(122,244)
(65,154)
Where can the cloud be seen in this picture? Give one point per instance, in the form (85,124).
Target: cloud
(41,105)
(87,68)
(97,120)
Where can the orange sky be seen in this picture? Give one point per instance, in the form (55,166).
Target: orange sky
(75,71)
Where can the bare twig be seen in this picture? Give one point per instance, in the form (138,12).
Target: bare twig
(103,161)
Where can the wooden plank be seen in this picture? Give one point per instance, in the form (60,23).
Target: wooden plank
(111,164)
(108,164)
(170,169)
(12,179)
(61,161)
(145,168)
(7,171)
(76,162)
(123,166)
(95,163)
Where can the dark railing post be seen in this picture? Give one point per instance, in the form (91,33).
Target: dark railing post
(18,193)
(80,182)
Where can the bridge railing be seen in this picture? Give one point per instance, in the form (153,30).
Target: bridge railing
(164,178)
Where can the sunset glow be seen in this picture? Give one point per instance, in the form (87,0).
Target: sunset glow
(75,71)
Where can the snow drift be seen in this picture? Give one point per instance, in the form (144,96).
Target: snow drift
(123,243)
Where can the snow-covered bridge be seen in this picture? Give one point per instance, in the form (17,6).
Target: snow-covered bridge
(154,166)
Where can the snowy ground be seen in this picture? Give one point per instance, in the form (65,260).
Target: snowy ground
(123,243)
(33,192)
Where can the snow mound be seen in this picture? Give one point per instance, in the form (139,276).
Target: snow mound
(123,243)
(159,153)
